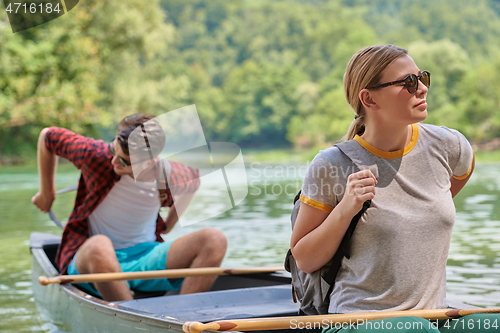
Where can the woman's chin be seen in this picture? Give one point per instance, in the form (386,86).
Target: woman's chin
(421,116)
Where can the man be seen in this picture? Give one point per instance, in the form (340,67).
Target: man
(115,224)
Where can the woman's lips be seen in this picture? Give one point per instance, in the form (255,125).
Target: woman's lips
(421,104)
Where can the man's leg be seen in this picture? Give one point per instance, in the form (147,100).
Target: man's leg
(204,248)
(97,255)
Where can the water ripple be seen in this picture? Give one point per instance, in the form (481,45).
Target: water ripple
(258,232)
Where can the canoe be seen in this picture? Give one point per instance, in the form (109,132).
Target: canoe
(65,308)
(69,309)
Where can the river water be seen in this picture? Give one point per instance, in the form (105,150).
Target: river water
(258,231)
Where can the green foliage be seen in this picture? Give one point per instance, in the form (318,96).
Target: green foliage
(272,63)
(448,64)
(262,99)
(480,102)
(261,73)
(471,24)
(75,71)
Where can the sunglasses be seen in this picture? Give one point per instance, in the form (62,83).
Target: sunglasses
(123,161)
(410,82)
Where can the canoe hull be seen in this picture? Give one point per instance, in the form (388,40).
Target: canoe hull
(66,308)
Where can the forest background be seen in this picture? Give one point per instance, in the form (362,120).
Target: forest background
(262,73)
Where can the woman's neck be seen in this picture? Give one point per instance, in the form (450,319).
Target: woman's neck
(388,139)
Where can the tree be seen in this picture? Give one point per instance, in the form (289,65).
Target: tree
(81,71)
(448,64)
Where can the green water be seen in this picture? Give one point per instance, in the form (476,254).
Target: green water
(258,231)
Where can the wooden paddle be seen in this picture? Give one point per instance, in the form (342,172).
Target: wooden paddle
(169,274)
(321,321)
(52,215)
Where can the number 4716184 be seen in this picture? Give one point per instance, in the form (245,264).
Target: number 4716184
(33,8)
(484,324)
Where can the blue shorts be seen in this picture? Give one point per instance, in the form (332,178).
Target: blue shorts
(139,258)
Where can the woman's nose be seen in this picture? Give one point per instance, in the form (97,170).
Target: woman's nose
(422,88)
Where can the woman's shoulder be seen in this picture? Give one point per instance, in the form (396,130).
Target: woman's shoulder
(331,164)
(439,133)
(437,130)
(448,142)
(330,156)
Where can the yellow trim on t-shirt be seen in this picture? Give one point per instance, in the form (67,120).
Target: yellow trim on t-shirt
(316,204)
(391,154)
(468,171)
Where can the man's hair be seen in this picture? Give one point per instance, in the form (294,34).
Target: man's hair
(150,133)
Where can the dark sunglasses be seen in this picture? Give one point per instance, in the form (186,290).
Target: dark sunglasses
(123,161)
(410,82)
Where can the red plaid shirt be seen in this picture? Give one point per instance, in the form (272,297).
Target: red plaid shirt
(97,178)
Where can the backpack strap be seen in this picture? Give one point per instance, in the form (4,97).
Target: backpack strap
(297,197)
(349,149)
(344,249)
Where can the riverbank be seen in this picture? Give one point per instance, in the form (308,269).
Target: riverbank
(279,155)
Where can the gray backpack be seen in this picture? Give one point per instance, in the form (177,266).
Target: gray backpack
(313,290)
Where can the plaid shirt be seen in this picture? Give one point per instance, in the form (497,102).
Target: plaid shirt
(93,158)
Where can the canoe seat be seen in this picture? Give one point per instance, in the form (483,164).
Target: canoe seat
(216,305)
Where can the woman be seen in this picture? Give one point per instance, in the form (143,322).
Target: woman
(400,246)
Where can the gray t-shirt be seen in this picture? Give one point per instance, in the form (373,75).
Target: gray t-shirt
(400,246)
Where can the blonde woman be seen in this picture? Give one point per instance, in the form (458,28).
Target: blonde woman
(400,246)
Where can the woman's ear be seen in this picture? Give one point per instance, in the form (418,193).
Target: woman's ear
(366,98)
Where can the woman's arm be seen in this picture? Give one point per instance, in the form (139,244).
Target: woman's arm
(458,184)
(317,234)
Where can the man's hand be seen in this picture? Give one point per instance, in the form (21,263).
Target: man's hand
(43,201)
(171,220)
